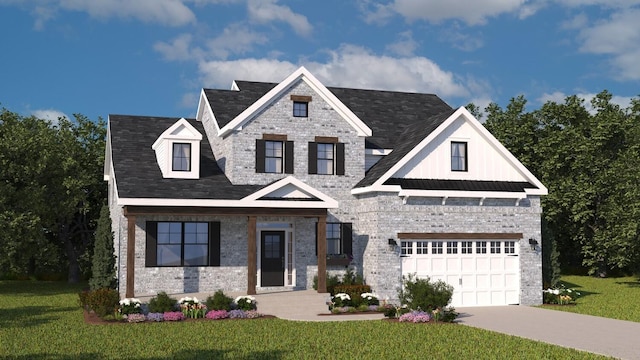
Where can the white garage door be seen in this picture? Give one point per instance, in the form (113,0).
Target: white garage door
(482,272)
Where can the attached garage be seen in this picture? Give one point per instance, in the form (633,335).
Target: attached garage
(484,269)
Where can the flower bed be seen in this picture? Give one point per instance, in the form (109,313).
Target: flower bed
(560,296)
(131,310)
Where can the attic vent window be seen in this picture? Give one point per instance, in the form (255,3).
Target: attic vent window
(300,105)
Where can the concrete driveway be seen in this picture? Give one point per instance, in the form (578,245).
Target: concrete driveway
(617,338)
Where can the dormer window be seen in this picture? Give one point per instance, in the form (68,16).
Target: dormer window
(300,105)
(178,151)
(181,157)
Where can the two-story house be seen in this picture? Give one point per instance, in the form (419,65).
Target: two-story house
(274,184)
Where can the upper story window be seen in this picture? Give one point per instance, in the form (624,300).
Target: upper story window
(458,156)
(274,154)
(273,157)
(181,157)
(300,109)
(178,151)
(300,105)
(325,159)
(326,156)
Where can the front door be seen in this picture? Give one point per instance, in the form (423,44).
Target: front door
(272,258)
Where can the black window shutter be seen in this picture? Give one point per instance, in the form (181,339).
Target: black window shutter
(313,158)
(340,159)
(214,243)
(347,242)
(152,244)
(288,157)
(260,155)
(316,239)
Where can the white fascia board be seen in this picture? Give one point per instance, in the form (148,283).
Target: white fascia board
(378,188)
(289,180)
(106,171)
(417,149)
(377,151)
(504,151)
(205,107)
(477,125)
(463,194)
(336,104)
(315,84)
(228,203)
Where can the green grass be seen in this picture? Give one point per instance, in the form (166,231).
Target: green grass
(42,320)
(615,298)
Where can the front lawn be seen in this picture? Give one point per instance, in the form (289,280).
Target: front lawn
(615,298)
(42,320)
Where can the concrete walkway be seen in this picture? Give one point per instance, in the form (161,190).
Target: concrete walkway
(617,338)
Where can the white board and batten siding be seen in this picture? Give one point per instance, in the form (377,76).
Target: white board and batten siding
(485,161)
(484,269)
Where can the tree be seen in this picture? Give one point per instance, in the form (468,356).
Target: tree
(103,261)
(588,160)
(51,190)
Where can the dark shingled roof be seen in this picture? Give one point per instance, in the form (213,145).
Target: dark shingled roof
(408,140)
(387,113)
(137,171)
(466,185)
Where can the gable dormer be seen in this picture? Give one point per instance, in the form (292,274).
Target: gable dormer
(178,151)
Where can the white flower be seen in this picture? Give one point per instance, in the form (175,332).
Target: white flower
(369,296)
(343,296)
(246,298)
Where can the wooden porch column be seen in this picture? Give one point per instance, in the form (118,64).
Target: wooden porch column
(252,264)
(131,255)
(322,254)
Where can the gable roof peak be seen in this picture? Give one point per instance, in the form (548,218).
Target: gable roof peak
(300,74)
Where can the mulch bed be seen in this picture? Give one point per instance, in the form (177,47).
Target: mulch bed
(350,313)
(93,319)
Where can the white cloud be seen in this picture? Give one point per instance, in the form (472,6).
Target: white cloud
(460,40)
(559,97)
(220,74)
(345,68)
(166,12)
(235,39)
(577,22)
(266,11)
(619,37)
(51,115)
(405,46)
(178,49)
(471,12)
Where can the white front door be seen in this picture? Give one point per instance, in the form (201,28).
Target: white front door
(482,272)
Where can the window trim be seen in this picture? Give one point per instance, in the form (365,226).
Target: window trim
(338,155)
(287,154)
(346,238)
(213,243)
(301,109)
(464,156)
(174,154)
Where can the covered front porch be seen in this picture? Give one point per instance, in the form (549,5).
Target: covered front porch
(269,243)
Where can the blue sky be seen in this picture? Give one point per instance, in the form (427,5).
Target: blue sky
(152,57)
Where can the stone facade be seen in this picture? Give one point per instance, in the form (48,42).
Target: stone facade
(375,216)
(383,216)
